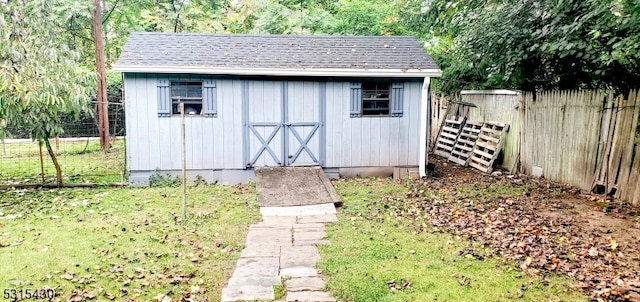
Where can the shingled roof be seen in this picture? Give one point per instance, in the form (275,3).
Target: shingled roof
(298,55)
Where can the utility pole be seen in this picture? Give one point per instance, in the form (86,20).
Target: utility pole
(103,111)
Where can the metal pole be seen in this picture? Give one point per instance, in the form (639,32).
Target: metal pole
(184,162)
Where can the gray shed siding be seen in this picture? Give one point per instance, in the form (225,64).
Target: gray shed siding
(371,141)
(221,143)
(154,142)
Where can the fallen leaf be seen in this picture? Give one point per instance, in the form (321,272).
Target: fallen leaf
(67,276)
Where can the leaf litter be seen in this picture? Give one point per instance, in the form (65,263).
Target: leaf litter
(545,228)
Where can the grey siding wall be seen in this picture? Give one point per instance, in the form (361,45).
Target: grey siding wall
(218,143)
(154,142)
(371,141)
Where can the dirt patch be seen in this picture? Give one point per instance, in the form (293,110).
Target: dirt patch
(546,228)
(591,216)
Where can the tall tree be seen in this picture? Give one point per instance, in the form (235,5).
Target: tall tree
(40,76)
(103,109)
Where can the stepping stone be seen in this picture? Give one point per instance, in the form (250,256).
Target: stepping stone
(268,237)
(278,221)
(308,226)
(248,293)
(309,296)
(311,242)
(304,284)
(261,226)
(295,256)
(299,271)
(240,282)
(318,218)
(257,267)
(266,250)
(317,209)
(308,236)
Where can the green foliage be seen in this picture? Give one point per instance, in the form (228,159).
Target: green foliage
(40,76)
(277,17)
(372,18)
(114,83)
(199,181)
(535,44)
(160,179)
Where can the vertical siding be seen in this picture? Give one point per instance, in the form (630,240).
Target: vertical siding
(154,143)
(265,106)
(217,143)
(303,106)
(371,141)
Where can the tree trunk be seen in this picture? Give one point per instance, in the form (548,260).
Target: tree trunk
(41,164)
(55,162)
(103,112)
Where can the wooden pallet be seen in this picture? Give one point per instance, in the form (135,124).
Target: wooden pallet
(464,144)
(447,137)
(488,146)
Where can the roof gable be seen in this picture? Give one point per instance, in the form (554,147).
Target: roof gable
(276,54)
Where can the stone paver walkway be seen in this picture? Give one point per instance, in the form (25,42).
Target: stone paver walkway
(283,247)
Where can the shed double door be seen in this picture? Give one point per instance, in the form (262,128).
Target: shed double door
(284,123)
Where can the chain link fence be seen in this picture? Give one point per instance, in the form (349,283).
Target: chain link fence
(78,151)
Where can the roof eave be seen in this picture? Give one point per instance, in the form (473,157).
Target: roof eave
(309,72)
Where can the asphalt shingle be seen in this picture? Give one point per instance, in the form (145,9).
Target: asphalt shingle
(275,51)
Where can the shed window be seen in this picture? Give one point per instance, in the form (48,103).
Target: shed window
(189,93)
(375,98)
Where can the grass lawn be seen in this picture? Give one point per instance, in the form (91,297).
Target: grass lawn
(81,161)
(126,244)
(376,254)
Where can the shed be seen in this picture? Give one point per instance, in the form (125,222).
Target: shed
(350,104)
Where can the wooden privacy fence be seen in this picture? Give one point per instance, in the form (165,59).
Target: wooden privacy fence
(584,138)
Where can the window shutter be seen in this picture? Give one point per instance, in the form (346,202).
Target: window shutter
(210,98)
(397,98)
(356,99)
(164,99)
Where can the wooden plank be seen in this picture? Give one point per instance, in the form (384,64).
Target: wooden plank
(483,154)
(459,161)
(449,135)
(479,167)
(464,148)
(486,145)
(485,137)
(627,187)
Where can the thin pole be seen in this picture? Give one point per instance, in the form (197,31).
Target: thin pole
(41,163)
(4,135)
(184,163)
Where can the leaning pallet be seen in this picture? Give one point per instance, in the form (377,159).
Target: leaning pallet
(447,137)
(464,144)
(488,146)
